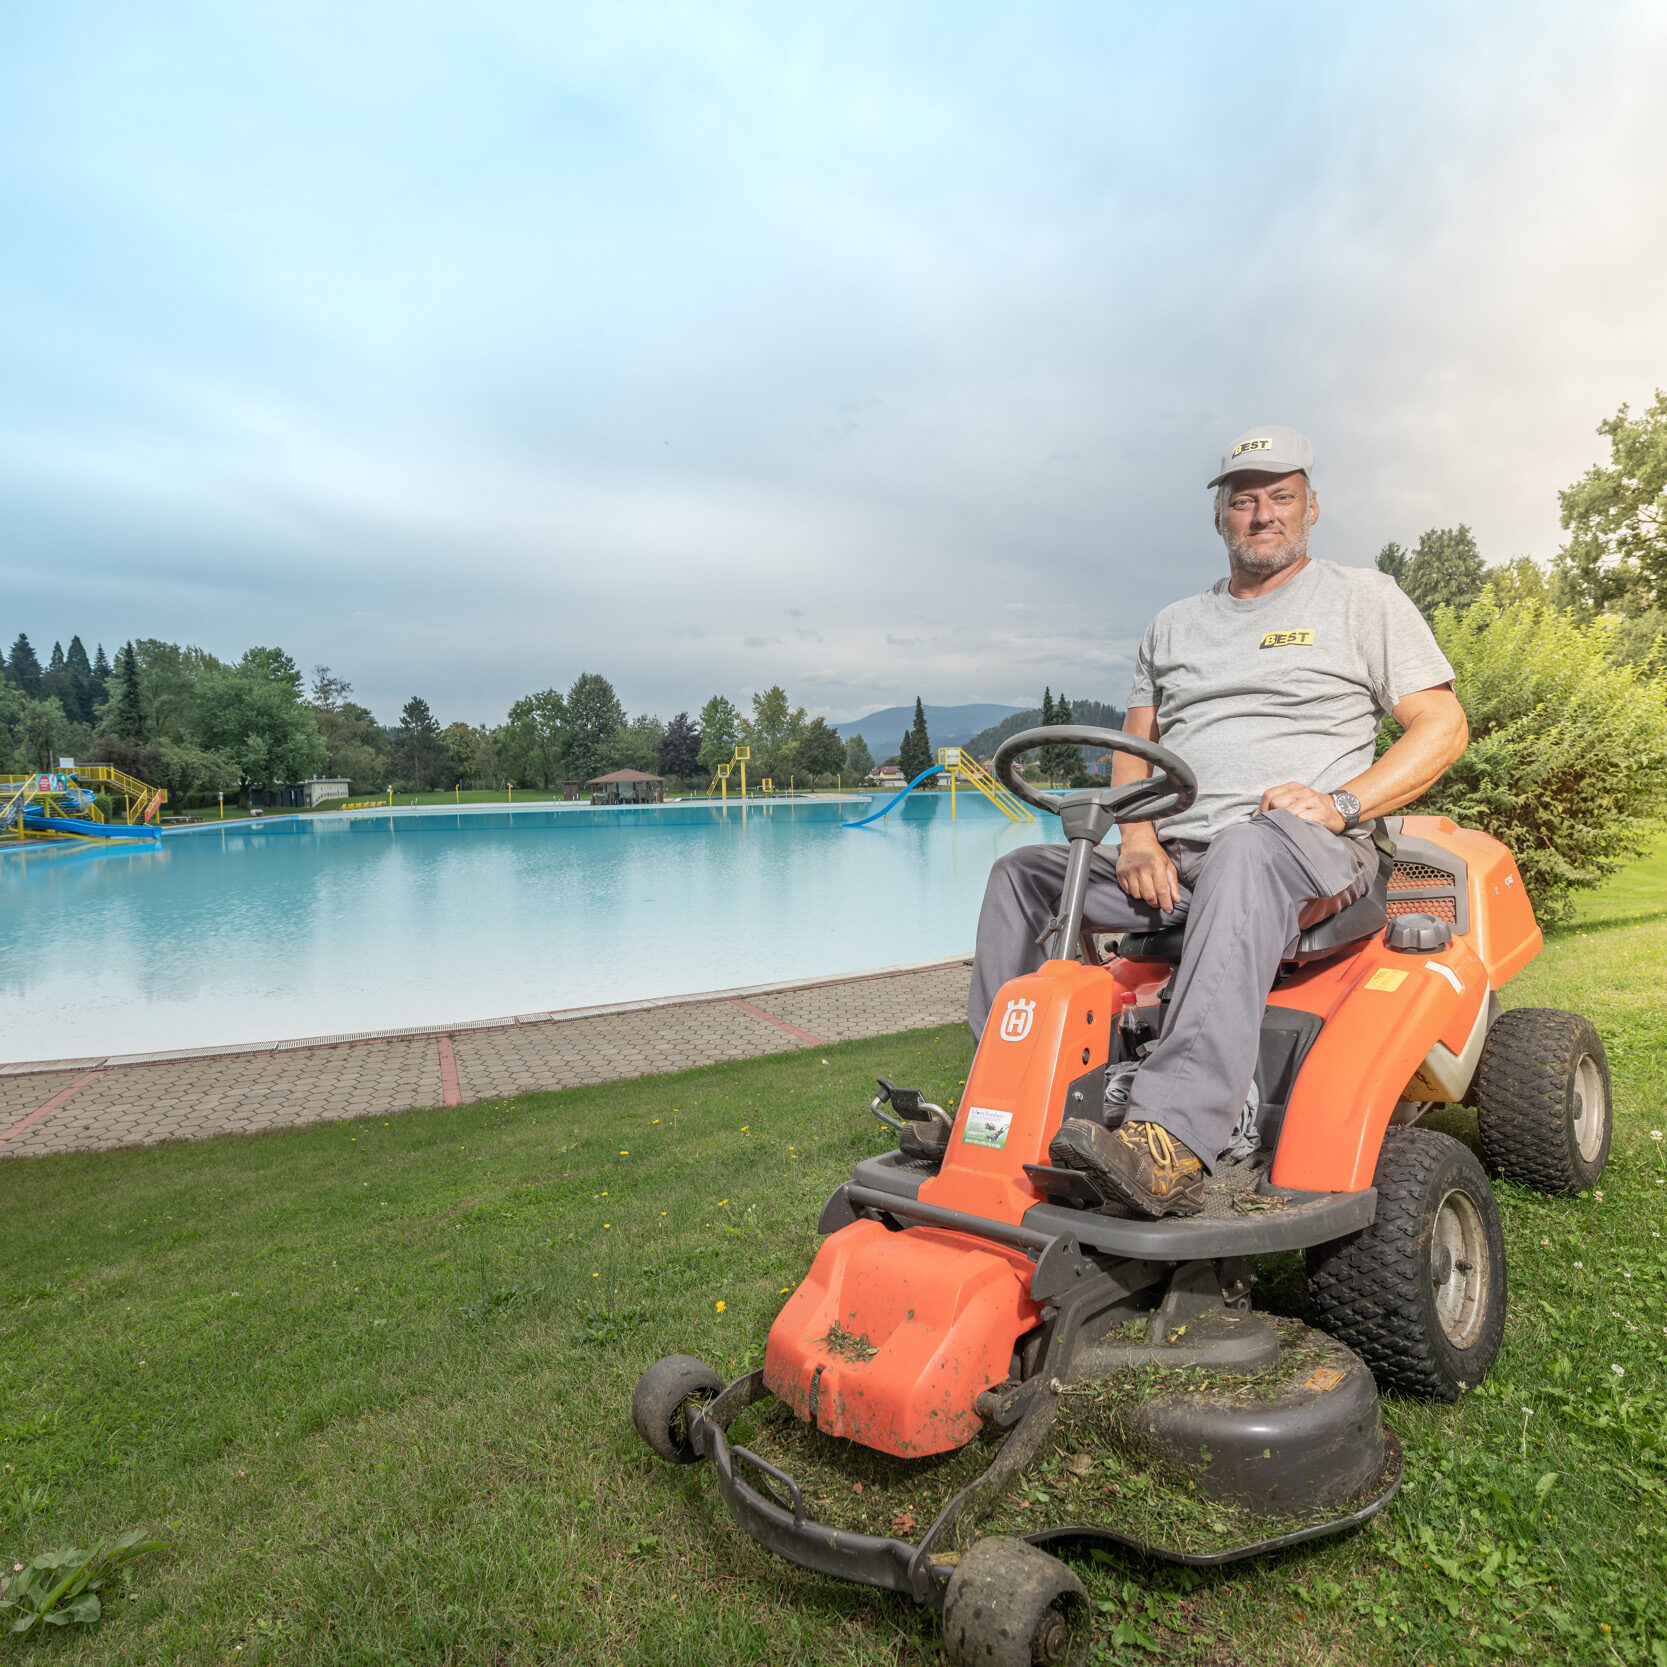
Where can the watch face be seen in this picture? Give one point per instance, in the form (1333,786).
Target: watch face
(1348,806)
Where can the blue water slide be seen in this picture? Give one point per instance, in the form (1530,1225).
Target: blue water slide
(98,830)
(930,770)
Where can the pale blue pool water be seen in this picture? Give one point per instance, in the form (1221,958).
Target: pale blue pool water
(323,925)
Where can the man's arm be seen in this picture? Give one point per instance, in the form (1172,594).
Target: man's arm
(1143,867)
(1435,737)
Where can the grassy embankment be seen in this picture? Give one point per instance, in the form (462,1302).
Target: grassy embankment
(372,1381)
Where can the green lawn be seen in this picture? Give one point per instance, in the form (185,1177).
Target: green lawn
(372,1382)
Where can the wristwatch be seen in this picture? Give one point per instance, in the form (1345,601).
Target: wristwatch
(1348,807)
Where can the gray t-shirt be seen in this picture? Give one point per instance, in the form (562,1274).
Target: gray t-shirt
(1291,686)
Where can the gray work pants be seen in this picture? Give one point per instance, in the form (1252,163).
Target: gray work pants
(1245,896)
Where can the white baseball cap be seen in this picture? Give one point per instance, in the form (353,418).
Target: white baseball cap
(1269,450)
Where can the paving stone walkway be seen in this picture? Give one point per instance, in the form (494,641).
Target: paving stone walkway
(92,1104)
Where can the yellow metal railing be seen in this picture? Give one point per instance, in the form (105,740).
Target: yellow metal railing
(721,779)
(961,765)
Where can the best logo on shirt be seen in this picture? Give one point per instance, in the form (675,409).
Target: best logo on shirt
(1288,639)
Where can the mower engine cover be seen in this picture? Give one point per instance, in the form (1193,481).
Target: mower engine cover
(892,1335)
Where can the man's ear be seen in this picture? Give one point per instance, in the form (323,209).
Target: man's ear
(1313,507)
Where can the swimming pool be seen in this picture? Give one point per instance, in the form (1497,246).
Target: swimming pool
(325,925)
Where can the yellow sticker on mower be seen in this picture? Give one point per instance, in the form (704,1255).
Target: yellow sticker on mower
(1386,978)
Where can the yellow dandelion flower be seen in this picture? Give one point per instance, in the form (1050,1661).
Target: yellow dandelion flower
(623,1153)
(606,1225)
(746,1128)
(722,1202)
(784,1290)
(722,1306)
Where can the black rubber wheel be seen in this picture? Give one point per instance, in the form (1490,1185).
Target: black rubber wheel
(1010,1605)
(1542,1100)
(659,1408)
(1420,1294)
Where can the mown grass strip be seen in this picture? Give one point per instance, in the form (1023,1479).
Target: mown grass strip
(371,1381)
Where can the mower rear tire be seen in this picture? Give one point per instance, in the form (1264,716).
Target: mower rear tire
(1420,1294)
(1010,1605)
(1542,1100)
(660,1406)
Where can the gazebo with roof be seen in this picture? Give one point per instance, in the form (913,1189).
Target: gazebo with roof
(627,787)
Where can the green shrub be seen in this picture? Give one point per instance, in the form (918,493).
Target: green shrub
(1567,762)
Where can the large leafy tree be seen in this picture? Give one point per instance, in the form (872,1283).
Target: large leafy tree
(168,679)
(1445,571)
(915,754)
(636,745)
(1616,517)
(529,745)
(253,715)
(821,752)
(594,717)
(773,733)
(858,759)
(415,748)
(1392,559)
(720,729)
(680,747)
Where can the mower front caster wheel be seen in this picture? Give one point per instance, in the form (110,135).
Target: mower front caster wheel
(1542,1100)
(1420,1294)
(660,1406)
(1010,1605)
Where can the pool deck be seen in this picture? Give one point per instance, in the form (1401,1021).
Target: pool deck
(92,1104)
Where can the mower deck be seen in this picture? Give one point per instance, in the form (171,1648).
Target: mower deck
(1276,1458)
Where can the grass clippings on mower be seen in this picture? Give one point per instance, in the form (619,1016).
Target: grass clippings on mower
(1094,1469)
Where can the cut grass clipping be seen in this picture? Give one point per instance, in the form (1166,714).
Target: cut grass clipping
(372,1382)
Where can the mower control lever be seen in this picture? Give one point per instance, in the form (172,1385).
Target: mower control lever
(906,1104)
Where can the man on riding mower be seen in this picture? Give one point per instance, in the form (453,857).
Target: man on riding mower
(1271,685)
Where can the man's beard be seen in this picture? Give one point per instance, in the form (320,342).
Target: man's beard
(1264,563)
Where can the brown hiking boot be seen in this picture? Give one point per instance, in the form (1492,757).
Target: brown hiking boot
(1139,1164)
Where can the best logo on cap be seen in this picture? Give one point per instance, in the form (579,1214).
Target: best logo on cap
(1267,451)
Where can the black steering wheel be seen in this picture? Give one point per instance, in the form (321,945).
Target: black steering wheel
(1171,790)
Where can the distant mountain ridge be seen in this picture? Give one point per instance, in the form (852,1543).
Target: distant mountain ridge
(948,726)
(1095,713)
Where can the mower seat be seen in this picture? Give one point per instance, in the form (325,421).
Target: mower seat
(1364,918)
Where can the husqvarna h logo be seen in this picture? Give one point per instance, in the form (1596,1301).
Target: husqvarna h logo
(1015,1022)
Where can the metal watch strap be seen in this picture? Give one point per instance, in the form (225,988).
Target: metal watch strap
(1343,801)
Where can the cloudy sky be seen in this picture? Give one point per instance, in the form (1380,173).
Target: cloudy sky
(870,349)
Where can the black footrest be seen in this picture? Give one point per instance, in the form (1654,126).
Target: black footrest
(1065,1186)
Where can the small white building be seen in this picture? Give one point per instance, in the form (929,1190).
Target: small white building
(319,788)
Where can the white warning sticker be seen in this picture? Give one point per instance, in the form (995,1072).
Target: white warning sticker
(986,1128)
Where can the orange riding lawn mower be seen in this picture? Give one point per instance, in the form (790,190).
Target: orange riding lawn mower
(988,1359)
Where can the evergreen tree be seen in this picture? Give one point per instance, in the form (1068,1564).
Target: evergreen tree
(55,681)
(416,745)
(1060,760)
(125,716)
(23,668)
(1392,559)
(1445,570)
(680,747)
(81,677)
(101,677)
(915,754)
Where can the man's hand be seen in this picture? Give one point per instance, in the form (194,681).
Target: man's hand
(1299,801)
(1145,872)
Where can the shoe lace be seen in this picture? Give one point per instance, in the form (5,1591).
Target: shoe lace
(1158,1143)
